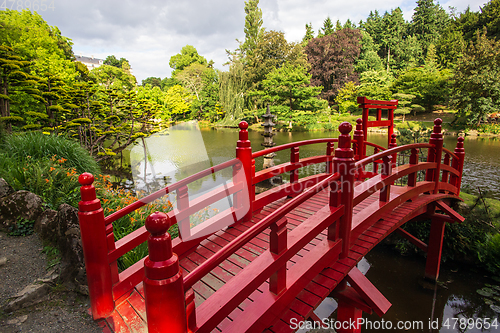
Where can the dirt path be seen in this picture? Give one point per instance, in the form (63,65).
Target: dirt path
(60,312)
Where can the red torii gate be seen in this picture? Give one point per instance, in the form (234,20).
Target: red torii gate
(169,296)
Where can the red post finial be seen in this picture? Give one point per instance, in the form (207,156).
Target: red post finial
(344,141)
(458,164)
(163,284)
(437,125)
(244,154)
(393,141)
(86,179)
(359,138)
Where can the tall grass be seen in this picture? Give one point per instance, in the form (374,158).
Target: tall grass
(46,165)
(39,146)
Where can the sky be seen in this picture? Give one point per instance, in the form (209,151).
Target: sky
(148,33)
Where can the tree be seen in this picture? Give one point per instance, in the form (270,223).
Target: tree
(253,27)
(178,101)
(376,85)
(368,59)
(404,104)
(429,21)
(232,87)
(327,28)
(113,77)
(112,61)
(332,60)
(290,86)
(272,51)
(471,22)
(201,81)
(153,81)
(429,84)
(346,98)
(309,34)
(476,88)
(188,56)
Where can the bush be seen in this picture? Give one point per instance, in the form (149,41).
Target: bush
(40,146)
(46,165)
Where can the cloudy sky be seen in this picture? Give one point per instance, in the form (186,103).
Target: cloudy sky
(148,33)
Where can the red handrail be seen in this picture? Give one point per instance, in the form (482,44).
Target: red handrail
(291,145)
(221,255)
(158,194)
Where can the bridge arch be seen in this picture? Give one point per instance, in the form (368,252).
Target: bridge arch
(300,239)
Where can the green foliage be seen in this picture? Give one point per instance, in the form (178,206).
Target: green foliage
(290,86)
(113,199)
(271,52)
(38,146)
(346,98)
(178,101)
(253,27)
(429,22)
(430,85)
(22,227)
(412,133)
(376,85)
(53,255)
(188,56)
(476,88)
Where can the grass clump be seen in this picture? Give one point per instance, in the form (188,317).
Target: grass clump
(45,165)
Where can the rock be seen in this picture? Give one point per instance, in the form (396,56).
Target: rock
(5,189)
(69,241)
(3,261)
(46,224)
(461,208)
(17,321)
(22,204)
(30,295)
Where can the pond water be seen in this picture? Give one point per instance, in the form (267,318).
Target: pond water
(187,149)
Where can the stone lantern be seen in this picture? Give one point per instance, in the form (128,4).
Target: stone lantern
(268,138)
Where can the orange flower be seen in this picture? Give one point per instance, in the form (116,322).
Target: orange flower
(52,169)
(47,180)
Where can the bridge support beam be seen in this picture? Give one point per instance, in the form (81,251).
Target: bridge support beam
(434,249)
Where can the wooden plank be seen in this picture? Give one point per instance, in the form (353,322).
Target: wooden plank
(370,294)
(131,318)
(116,323)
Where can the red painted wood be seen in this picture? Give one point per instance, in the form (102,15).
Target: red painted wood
(163,287)
(433,261)
(368,291)
(95,249)
(450,212)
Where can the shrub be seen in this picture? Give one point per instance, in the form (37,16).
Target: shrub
(39,146)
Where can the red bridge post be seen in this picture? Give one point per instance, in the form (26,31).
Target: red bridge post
(434,154)
(458,164)
(244,154)
(95,249)
(163,284)
(394,144)
(344,165)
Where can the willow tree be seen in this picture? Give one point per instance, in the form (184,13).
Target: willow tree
(231,93)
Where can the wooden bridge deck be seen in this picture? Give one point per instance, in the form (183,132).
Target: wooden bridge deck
(130,314)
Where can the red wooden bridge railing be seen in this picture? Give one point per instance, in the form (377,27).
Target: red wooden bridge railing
(168,291)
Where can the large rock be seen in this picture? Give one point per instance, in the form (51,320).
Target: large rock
(69,241)
(20,204)
(47,224)
(5,189)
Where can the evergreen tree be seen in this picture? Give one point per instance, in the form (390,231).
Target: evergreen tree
(253,27)
(327,28)
(429,22)
(309,34)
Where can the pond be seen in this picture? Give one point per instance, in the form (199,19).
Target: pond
(187,149)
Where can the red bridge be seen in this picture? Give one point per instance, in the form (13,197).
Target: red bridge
(286,248)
